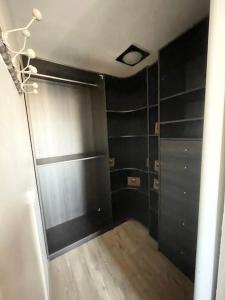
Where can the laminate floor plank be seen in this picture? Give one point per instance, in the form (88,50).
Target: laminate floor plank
(122,264)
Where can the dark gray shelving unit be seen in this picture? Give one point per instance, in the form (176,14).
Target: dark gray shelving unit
(70,155)
(127,117)
(182,91)
(132,113)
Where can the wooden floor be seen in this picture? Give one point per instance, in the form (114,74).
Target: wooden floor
(122,264)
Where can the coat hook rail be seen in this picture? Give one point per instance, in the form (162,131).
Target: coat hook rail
(8,61)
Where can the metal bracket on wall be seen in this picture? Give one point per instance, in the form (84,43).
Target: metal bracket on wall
(157,128)
(112,162)
(8,61)
(156,184)
(156,165)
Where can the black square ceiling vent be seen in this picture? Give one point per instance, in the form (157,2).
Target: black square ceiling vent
(132,56)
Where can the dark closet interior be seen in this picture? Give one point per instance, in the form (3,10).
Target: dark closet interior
(107,149)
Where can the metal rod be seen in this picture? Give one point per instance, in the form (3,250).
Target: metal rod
(63,79)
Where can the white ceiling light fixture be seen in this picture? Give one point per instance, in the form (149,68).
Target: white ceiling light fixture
(132,55)
(132,58)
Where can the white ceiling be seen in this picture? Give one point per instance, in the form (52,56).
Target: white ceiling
(90,34)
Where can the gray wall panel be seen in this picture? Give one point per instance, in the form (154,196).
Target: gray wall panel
(71,189)
(61,117)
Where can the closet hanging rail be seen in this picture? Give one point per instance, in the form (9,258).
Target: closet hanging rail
(63,79)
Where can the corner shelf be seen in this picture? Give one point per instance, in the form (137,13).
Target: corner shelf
(126,111)
(153,105)
(128,136)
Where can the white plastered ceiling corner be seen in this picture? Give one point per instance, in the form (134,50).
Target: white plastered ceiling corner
(90,34)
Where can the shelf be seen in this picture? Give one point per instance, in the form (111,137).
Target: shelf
(180,139)
(182,121)
(75,232)
(66,158)
(182,93)
(153,105)
(127,111)
(130,188)
(127,136)
(128,169)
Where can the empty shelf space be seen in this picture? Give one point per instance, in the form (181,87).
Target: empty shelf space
(126,94)
(65,158)
(75,231)
(191,128)
(185,107)
(183,62)
(129,153)
(127,111)
(130,124)
(200,89)
(130,203)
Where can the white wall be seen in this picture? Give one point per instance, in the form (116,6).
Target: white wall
(23,263)
(220,295)
(213,159)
